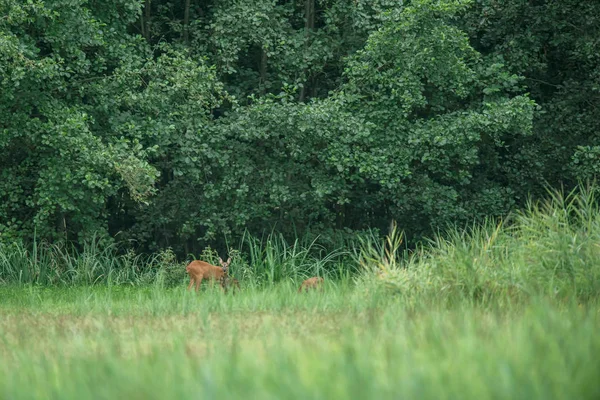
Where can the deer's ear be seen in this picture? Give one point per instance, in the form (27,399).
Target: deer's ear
(229,261)
(220,260)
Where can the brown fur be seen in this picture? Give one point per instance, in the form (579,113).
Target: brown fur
(198,270)
(316,282)
(227,281)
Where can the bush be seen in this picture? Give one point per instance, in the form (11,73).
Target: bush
(551,248)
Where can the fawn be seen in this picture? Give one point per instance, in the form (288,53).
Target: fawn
(227,281)
(315,282)
(198,270)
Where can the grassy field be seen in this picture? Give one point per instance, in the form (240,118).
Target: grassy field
(344,343)
(504,310)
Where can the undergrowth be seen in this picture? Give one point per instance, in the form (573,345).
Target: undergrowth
(551,248)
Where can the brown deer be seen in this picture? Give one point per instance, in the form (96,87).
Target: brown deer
(316,282)
(227,281)
(198,270)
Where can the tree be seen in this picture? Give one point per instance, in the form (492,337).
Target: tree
(555,46)
(444,122)
(69,145)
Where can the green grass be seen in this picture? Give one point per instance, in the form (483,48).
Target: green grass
(550,249)
(153,343)
(502,310)
(266,260)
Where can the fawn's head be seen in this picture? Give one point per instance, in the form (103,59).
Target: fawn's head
(225,264)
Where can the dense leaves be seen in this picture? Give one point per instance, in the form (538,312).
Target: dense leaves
(442,120)
(57,172)
(183,123)
(555,46)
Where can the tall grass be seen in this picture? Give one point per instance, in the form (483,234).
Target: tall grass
(270,343)
(266,260)
(53,264)
(551,248)
(272,259)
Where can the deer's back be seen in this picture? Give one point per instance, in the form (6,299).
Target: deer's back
(313,282)
(201,268)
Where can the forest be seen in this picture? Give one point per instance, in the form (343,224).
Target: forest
(166,124)
(300,199)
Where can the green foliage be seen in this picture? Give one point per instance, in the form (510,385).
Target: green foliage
(265,46)
(553,45)
(57,172)
(429,152)
(264,166)
(585,162)
(441,121)
(550,249)
(89,122)
(185,124)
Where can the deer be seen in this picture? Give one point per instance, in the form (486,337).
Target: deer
(198,270)
(316,282)
(227,281)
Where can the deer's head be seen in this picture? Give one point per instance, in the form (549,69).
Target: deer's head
(225,264)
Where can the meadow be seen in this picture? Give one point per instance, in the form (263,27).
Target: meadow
(506,309)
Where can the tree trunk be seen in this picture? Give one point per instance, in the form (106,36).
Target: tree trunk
(309,25)
(146,19)
(61,223)
(186,22)
(340,215)
(263,70)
